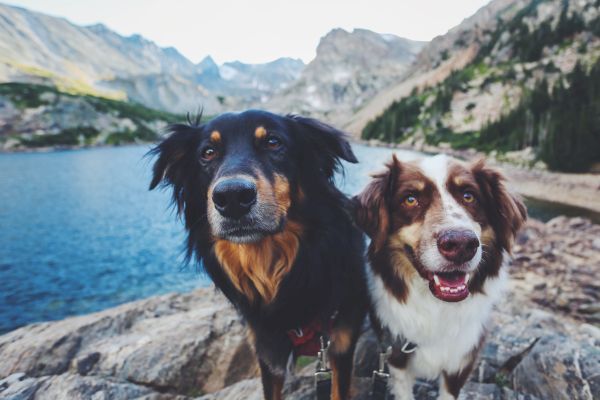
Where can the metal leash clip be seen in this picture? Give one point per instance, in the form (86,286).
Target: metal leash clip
(380,377)
(323,373)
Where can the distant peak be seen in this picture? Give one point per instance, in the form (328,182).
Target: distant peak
(98,28)
(207,61)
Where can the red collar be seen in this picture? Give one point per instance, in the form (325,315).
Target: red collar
(305,339)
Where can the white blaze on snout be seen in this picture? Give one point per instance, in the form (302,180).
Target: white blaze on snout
(452,216)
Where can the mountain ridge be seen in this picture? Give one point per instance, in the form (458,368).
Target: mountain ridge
(350,67)
(39,48)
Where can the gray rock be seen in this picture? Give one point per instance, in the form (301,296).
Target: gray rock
(183,344)
(248,389)
(557,367)
(76,387)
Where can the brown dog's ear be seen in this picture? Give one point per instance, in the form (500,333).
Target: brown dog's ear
(372,205)
(505,210)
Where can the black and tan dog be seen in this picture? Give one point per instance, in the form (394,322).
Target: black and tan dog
(272,231)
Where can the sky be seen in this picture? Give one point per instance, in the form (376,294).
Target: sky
(256,31)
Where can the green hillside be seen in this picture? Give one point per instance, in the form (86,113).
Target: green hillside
(557,111)
(44,116)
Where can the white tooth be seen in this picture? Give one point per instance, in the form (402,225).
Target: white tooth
(436,279)
(467,276)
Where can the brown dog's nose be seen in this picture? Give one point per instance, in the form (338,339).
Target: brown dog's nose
(234,198)
(458,246)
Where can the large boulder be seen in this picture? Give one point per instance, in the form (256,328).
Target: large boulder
(185,344)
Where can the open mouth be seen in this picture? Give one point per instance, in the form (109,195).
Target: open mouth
(449,286)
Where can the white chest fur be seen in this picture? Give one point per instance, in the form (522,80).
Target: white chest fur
(445,333)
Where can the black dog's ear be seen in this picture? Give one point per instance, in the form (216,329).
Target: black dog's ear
(176,156)
(331,143)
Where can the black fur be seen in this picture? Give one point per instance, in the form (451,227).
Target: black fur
(328,273)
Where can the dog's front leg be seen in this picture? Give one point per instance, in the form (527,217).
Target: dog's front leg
(341,355)
(451,384)
(401,383)
(344,335)
(272,384)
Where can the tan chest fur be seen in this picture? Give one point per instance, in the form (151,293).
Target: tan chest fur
(257,269)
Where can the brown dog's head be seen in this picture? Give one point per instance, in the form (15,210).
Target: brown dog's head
(442,219)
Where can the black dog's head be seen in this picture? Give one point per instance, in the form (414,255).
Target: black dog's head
(237,176)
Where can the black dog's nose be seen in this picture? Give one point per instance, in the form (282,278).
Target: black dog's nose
(234,197)
(458,246)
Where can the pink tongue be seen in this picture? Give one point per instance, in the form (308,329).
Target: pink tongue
(453,280)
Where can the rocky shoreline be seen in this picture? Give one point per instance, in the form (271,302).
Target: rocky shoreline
(544,340)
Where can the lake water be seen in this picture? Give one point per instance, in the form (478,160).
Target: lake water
(80,232)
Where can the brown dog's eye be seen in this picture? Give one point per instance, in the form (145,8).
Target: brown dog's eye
(273,142)
(468,197)
(208,153)
(410,201)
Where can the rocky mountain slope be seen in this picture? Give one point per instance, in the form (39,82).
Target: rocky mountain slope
(34,116)
(349,69)
(544,340)
(504,80)
(38,48)
(436,60)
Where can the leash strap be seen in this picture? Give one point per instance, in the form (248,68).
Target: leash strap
(380,378)
(323,372)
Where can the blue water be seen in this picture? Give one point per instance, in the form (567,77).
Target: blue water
(80,232)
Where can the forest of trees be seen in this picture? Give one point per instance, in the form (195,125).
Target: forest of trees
(562,122)
(400,118)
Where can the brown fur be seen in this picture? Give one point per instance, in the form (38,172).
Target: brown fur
(256,269)
(215,137)
(372,213)
(341,339)
(506,212)
(281,190)
(455,382)
(398,358)
(260,133)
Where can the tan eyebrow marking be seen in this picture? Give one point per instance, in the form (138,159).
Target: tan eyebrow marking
(260,133)
(215,136)
(416,184)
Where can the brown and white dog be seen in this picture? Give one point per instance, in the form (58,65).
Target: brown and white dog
(441,231)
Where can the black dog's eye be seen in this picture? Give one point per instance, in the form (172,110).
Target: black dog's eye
(208,153)
(273,142)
